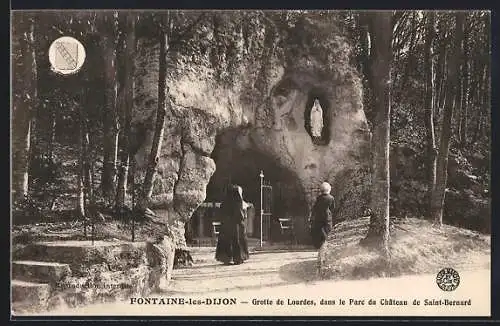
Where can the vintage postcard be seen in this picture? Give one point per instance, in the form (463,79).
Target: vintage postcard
(250,163)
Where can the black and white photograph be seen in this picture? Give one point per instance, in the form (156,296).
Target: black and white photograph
(250,163)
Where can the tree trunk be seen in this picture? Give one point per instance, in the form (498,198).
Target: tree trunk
(81,167)
(442,85)
(365,44)
(381,35)
(363,23)
(121,190)
(81,192)
(437,74)
(428,105)
(24,101)
(481,89)
(52,136)
(472,97)
(438,194)
(128,91)
(84,158)
(108,178)
(465,90)
(410,64)
(457,106)
(477,129)
(147,186)
(88,180)
(440,78)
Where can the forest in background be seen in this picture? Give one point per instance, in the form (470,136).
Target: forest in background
(426,79)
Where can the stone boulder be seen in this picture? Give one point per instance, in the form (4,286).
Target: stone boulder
(66,274)
(266,114)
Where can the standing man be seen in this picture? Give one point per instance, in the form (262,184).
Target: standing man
(322,215)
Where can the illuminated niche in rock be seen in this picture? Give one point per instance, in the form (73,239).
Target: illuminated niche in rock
(316,118)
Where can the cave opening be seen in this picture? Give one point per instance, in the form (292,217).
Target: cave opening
(242,166)
(317,97)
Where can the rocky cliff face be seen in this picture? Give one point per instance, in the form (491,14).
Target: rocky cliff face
(264,113)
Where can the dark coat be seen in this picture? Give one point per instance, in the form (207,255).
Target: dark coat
(322,219)
(232,244)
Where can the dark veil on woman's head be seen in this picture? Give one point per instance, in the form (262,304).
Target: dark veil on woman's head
(234,195)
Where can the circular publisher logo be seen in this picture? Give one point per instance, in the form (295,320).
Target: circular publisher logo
(448,279)
(66,55)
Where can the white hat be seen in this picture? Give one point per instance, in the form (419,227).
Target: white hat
(325,188)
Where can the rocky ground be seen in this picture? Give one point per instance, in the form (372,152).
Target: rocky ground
(77,230)
(416,246)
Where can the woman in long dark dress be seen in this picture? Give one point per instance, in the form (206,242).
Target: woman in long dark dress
(232,244)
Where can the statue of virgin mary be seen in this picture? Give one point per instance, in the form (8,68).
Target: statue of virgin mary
(316,119)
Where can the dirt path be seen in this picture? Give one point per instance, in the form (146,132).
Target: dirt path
(261,270)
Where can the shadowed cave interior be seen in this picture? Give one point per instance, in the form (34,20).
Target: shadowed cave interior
(243,166)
